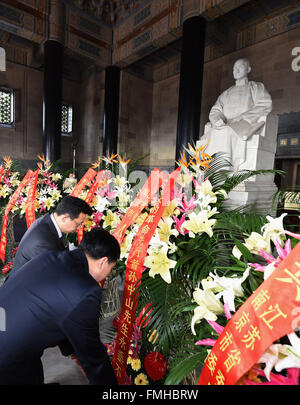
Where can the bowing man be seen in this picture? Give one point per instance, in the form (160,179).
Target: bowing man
(46,233)
(53,297)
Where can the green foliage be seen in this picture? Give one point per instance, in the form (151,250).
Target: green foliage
(172,304)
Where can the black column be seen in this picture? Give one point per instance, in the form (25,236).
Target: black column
(111,110)
(53,62)
(190,87)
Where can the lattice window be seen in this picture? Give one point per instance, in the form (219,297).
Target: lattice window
(6,107)
(66,119)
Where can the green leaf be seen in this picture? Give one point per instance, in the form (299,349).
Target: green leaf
(182,369)
(244,250)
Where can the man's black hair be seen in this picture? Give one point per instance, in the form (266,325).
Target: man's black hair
(73,206)
(99,243)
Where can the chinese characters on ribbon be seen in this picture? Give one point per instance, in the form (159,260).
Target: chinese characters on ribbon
(134,269)
(265,317)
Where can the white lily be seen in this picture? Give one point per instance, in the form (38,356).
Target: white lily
(120,181)
(208,307)
(199,223)
(292,359)
(254,244)
(111,219)
(159,263)
(271,357)
(102,203)
(126,245)
(226,287)
(165,229)
(205,189)
(274,229)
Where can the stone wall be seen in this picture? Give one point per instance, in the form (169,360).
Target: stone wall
(148,110)
(164,122)
(271,64)
(24,141)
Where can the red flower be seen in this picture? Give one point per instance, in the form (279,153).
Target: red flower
(7,267)
(155,365)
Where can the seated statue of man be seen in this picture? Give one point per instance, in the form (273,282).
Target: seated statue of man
(236,116)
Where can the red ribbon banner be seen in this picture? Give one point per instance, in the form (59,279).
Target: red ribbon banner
(1,172)
(9,206)
(134,269)
(90,195)
(29,206)
(266,316)
(85,180)
(143,198)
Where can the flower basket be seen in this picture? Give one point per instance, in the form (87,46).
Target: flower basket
(110,303)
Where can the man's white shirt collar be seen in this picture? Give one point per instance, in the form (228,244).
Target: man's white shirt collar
(56,226)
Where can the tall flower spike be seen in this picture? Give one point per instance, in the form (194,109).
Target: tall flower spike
(96,164)
(41,157)
(110,159)
(123,160)
(183,161)
(7,161)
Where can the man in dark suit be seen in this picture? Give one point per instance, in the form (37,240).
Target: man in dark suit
(46,233)
(56,296)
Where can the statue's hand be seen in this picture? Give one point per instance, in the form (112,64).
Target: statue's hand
(219,123)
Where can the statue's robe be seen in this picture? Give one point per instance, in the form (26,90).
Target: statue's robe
(241,108)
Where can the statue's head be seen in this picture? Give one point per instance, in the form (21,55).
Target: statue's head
(241,68)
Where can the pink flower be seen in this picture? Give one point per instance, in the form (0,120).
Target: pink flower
(127,379)
(206,342)
(187,206)
(110,347)
(178,194)
(227,311)
(111,194)
(102,191)
(218,328)
(178,225)
(282,254)
(97,217)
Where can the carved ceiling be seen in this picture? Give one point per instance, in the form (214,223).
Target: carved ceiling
(109,11)
(221,35)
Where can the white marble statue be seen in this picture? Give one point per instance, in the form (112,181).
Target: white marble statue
(238,113)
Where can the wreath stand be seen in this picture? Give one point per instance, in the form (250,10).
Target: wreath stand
(110,303)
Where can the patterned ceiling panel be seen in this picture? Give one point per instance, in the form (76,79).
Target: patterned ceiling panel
(110,11)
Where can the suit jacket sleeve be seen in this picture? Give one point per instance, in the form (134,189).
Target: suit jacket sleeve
(81,327)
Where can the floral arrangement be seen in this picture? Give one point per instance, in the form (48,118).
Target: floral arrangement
(10,180)
(48,191)
(197,271)
(217,297)
(203,262)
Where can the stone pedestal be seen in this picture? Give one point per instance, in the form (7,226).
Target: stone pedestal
(256,195)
